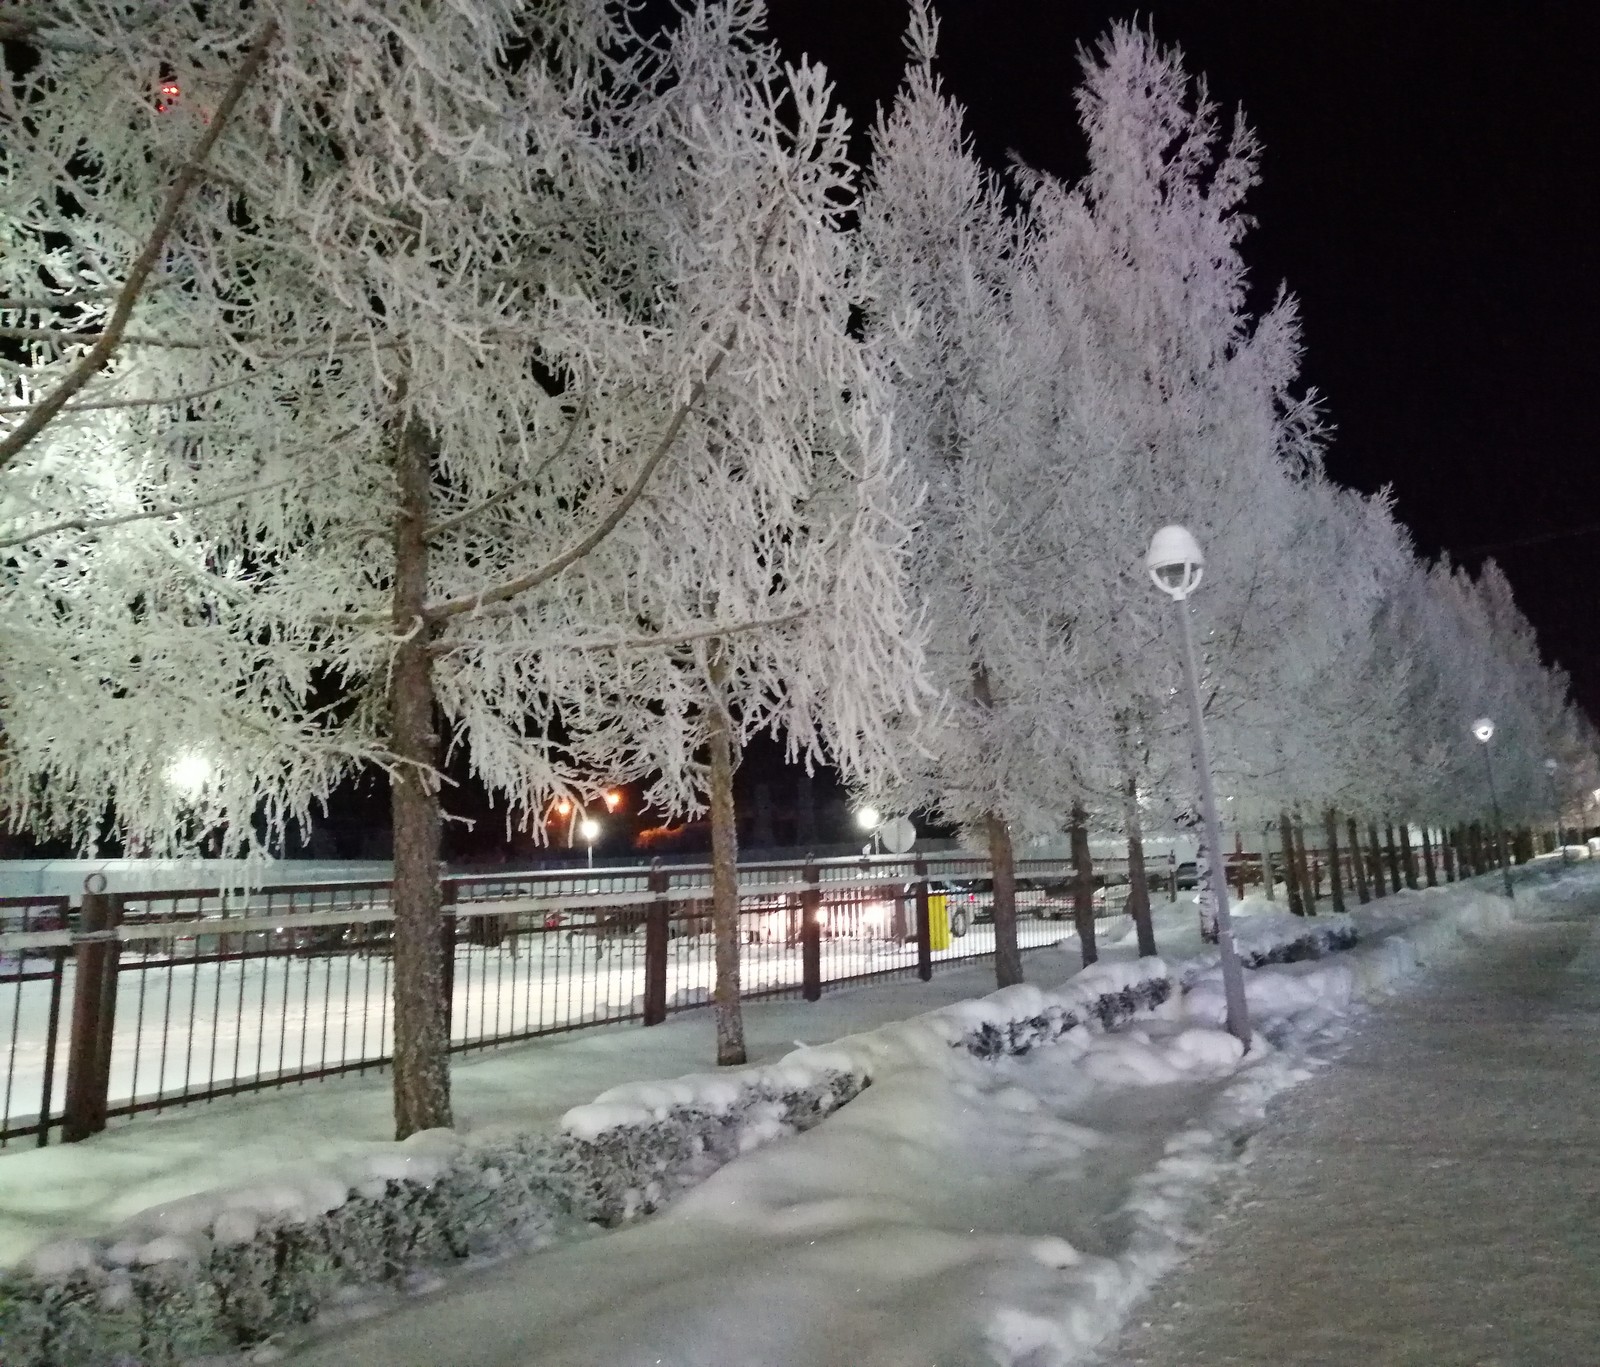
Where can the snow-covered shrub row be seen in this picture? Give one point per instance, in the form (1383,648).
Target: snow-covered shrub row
(228,1269)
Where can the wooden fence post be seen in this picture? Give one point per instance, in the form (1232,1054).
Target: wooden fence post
(447,951)
(924,929)
(811,933)
(1375,860)
(94,1017)
(656,934)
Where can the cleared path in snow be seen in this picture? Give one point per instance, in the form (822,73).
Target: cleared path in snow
(1434,1201)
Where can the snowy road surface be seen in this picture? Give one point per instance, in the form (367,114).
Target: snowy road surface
(1435,1200)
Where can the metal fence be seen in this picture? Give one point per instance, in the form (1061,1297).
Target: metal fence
(140,1001)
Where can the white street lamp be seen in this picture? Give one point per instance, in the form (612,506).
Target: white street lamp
(1176,568)
(869,818)
(1483,730)
(189,773)
(589,829)
(1552,766)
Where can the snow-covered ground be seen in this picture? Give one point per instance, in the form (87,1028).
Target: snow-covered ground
(958,1210)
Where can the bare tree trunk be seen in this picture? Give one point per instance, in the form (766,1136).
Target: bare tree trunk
(1291,875)
(1266,864)
(1393,852)
(1002,862)
(1375,860)
(421,1015)
(1447,848)
(1308,888)
(1138,881)
(1003,866)
(1359,868)
(1083,884)
(1428,866)
(1335,879)
(1408,857)
(726,1008)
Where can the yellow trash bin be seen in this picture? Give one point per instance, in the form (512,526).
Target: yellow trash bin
(938,921)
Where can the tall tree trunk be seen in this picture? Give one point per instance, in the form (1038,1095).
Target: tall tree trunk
(1138,880)
(1447,840)
(1335,879)
(1428,866)
(1002,862)
(421,1014)
(1357,867)
(1266,864)
(1291,874)
(1375,860)
(726,1008)
(1308,887)
(1083,884)
(1408,856)
(1393,853)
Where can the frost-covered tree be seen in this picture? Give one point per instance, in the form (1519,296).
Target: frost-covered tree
(1174,405)
(492,358)
(970,378)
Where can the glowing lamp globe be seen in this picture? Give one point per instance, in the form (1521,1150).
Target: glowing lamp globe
(1483,729)
(868,818)
(189,774)
(1174,561)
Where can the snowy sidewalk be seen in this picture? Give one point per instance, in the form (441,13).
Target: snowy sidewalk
(1435,1200)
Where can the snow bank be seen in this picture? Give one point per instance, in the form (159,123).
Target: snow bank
(230,1268)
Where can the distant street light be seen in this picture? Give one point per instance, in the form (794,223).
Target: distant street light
(870,819)
(613,800)
(589,829)
(1483,729)
(1176,567)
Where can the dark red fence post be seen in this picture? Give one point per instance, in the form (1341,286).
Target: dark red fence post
(94,1017)
(811,934)
(447,948)
(924,933)
(655,948)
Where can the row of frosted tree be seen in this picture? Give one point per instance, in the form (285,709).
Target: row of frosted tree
(391,381)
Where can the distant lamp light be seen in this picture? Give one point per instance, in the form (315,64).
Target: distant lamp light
(1483,729)
(613,800)
(869,818)
(1174,561)
(563,807)
(189,774)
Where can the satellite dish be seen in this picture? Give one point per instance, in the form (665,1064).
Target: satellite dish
(898,835)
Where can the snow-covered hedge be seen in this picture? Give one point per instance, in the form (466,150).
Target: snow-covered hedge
(229,1269)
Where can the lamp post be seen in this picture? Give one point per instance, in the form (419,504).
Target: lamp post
(589,829)
(1483,732)
(1552,766)
(1176,567)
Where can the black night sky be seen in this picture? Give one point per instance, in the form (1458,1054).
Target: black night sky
(1430,191)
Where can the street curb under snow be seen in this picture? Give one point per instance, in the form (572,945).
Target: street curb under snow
(229,1269)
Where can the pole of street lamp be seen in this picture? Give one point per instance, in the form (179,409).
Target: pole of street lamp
(1232,975)
(1499,829)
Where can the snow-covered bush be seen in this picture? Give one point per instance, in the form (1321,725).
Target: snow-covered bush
(230,1269)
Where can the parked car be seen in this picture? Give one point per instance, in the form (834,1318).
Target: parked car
(1188,874)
